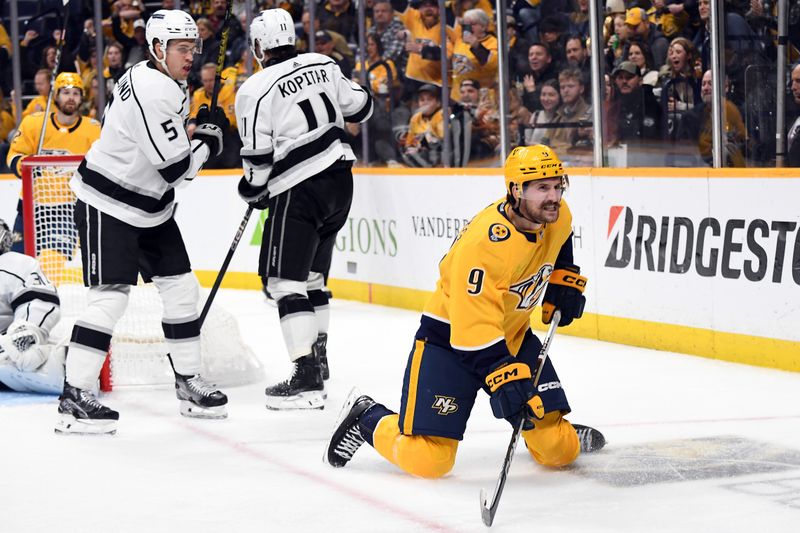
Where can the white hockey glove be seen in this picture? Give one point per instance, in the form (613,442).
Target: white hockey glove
(210,127)
(23,345)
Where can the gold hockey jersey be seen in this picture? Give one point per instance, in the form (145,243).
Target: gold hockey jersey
(493,277)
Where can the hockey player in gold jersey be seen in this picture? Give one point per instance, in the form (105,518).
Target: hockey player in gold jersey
(67,133)
(475,333)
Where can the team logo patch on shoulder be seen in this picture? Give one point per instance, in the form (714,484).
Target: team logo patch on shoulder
(499,232)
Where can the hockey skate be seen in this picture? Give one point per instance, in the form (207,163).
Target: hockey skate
(591,440)
(198,398)
(321,352)
(81,414)
(305,388)
(346,438)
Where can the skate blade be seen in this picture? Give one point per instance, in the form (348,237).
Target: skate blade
(69,425)
(190,410)
(304,400)
(343,412)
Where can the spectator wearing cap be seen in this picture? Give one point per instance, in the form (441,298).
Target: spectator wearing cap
(696,127)
(475,124)
(323,40)
(339,42)
(641,28)
(423,143)
(389,31)
(540,68)
(636,112)
(134,48)
(423,44)
(474,54)
(338,16)
(574,110)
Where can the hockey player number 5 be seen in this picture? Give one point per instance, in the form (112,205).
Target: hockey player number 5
(170,130)
(308,111)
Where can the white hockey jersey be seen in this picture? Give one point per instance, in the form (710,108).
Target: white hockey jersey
(26,293)
(291,119)
(143,151)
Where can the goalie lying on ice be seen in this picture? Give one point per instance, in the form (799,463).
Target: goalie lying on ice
(29,308)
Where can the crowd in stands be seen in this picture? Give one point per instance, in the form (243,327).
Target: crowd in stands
(656,92)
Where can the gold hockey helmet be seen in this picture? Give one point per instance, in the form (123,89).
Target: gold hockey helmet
(529,163)
(68,80)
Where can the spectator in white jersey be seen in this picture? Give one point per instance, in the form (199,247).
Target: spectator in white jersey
(29,308)
(125,218)
(297,163)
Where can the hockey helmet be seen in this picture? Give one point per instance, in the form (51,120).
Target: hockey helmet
(529,163)
(6,237)
(68,80)
(271,29)
(167,24)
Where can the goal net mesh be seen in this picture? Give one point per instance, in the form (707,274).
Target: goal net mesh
(138,349)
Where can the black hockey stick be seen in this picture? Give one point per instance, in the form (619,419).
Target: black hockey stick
(59,47)
(224,267)
(489,507)
(223,47)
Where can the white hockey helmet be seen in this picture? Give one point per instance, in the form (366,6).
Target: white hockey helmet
(167,24)
(6,237)
(270,29)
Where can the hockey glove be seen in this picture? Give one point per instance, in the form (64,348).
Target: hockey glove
(512,391)
(256,197)
(564,292)
(22,345)
(211,126)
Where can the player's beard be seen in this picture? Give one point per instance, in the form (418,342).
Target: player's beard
(69,108)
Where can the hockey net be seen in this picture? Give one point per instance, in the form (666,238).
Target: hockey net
(138,350)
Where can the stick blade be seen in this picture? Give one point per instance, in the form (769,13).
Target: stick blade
(486,513)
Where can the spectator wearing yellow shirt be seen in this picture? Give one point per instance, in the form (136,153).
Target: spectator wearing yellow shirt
(475,53)
(226,99)
(41,82)
(67,133)
(423,145)
(423,42)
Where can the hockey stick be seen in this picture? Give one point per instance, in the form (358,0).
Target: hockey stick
(489,507)
(224,267)
(223,47)
(59,47)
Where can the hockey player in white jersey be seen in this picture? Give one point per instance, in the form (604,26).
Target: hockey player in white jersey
(29,308)
(124,214)
(297,163)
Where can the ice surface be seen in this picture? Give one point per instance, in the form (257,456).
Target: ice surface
(694,445)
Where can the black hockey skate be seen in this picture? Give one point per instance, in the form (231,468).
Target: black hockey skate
(346,438)
(321,353)
(198,398)
(81,414)
(305,388)
(591,440)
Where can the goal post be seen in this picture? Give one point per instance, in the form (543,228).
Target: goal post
(137,355)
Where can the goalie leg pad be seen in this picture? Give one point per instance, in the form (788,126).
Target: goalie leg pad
(419,455)
(553,442)
(180,295)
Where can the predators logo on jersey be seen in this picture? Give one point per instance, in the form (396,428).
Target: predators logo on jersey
(445,405)
(530,290)
(498,232)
